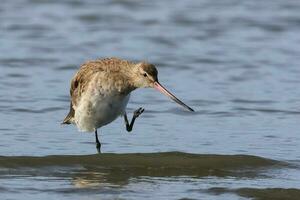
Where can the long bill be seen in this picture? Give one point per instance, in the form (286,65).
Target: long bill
(163,90)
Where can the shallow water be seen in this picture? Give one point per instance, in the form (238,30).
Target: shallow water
(236,63)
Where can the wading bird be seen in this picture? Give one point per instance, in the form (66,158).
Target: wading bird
(100,91)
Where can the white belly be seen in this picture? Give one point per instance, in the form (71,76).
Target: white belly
(96,110)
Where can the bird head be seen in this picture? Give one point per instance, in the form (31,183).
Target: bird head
(146,76)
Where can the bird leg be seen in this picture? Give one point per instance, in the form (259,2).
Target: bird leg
(135,115)
(98,144)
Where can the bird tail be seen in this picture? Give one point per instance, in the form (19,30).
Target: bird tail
(69,118)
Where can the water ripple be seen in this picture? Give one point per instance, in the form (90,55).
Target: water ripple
(25,62)
(268,110)
(248,101)
(44,110)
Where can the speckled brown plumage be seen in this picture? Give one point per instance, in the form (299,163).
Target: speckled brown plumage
(100,92)
(101,88)
(109,66)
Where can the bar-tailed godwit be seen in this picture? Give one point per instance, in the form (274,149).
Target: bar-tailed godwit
(100,91)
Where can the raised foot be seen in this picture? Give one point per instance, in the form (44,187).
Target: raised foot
(138,112)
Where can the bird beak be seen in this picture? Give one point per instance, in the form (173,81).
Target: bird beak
(163,90)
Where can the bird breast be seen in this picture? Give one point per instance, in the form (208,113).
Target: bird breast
(100,104)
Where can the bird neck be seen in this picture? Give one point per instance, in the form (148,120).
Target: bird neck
(131,73)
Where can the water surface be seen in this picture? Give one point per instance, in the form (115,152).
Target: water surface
(236,63)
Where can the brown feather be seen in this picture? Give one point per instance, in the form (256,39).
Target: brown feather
(82,78)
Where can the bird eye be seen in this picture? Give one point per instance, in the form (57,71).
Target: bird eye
(145,75)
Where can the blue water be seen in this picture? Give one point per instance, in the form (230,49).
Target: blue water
(236,63)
